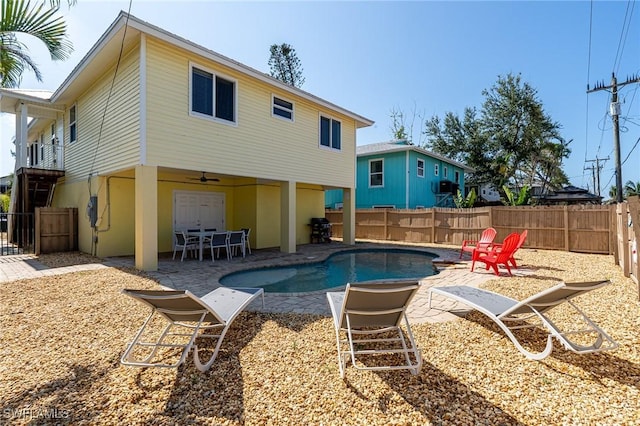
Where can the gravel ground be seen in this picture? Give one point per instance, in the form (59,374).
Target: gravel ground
(62,337)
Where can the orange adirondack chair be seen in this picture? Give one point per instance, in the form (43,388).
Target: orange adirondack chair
(486,238)
(494,256)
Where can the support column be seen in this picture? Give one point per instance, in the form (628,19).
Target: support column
(349,216)
(22,117)
(146,218)
(288,217)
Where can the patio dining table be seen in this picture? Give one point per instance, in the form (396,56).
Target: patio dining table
(201,236)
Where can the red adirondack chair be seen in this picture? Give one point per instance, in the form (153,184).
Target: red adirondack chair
(512,260)
(495,256)
(486,238)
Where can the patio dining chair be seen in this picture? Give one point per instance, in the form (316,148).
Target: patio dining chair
(216,241)
(247,231)
(236,241)
(185,243)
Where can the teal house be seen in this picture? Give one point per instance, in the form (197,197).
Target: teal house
(400,175)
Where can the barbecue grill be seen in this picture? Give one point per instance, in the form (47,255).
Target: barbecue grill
(320,230)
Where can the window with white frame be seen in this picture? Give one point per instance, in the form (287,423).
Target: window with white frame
(212,96)
(330,133)
(456,174)
(73,129)
(420,169)
(376,177)
(436,169)
(444,172)
(282,109)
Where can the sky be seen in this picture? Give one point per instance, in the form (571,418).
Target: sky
(423,58)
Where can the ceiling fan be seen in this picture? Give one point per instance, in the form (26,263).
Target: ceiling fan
(205,179)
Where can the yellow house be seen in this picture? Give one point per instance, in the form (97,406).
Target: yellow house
(152,133)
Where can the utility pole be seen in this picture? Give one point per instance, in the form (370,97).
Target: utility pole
(595,171)
(614,109)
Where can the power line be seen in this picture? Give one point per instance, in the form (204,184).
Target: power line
(586,124)
(623,35)
(615,113)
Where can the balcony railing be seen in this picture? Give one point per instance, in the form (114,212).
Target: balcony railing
(42,155)
(45,155)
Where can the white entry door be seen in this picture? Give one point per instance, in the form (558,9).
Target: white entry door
(198,210)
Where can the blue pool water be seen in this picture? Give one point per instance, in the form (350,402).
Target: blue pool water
(337,270)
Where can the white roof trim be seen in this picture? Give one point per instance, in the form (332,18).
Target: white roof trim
(423,151)
(133,22)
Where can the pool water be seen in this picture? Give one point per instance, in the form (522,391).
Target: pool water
(337,270)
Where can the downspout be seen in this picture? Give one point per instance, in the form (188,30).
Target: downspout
(406,182)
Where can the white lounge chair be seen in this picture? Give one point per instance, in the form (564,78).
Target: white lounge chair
(375,312)
(511,314)
(215,311)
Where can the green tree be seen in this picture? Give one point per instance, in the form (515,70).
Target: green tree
(510,140)
(19,17)
(631,188)
(285,65)
(5,200)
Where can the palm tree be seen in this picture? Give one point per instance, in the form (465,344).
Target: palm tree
(631,188)
(19,17)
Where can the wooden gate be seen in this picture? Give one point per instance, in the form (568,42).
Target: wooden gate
(56,230)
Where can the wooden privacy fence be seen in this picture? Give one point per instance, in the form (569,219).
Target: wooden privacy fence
(584,228)
(56,229)
(627,238)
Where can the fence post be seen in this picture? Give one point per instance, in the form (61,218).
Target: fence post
(37,231)
(386,223)
(625,255)
(566,228)
(433,225)
(71,229)
(491,217)
(613,239)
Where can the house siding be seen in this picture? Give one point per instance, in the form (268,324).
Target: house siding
(108,140)
(258,145)
(422,190)
(393,191)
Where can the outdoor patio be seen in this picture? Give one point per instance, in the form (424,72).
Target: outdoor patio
(63,335)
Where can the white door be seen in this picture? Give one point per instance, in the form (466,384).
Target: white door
(198,210)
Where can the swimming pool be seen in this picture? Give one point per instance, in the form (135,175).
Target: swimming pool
(337,270)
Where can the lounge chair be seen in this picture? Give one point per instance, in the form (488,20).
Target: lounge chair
(495,256)
(486,238)
(375,311)
(215,311)
(511,314)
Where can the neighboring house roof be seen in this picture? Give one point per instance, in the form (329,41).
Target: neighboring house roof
(125,29)
(402,145)
(570,195)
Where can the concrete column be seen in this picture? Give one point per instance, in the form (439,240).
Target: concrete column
(349,216)
(146,218)
(288,217)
